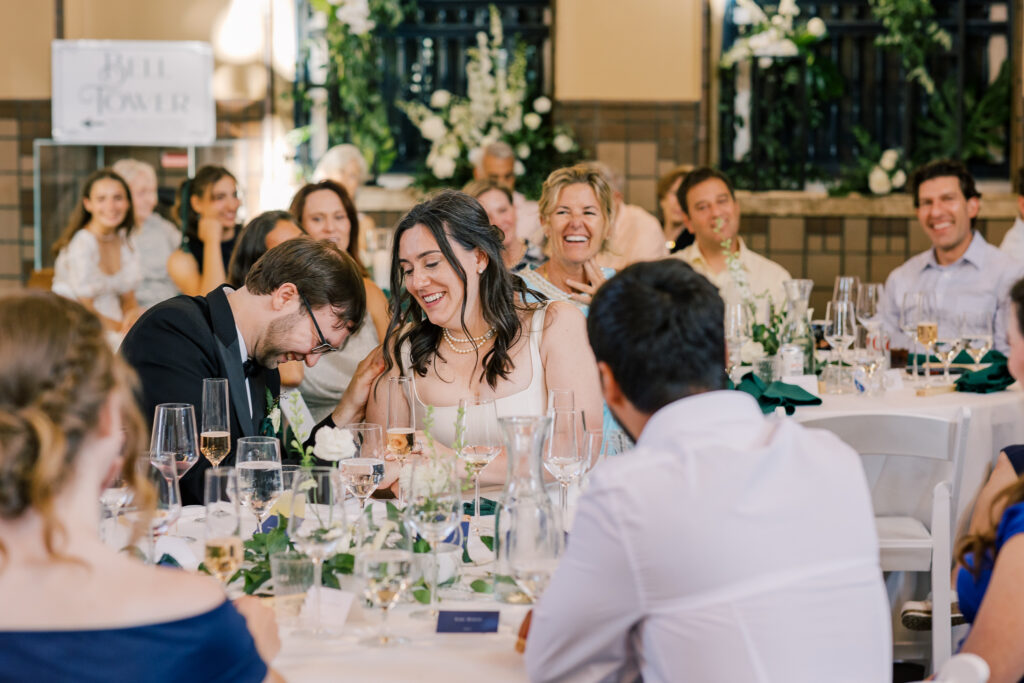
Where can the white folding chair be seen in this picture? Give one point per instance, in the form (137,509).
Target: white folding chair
(916,541)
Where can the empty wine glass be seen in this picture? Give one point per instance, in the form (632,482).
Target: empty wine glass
(258,462)
(738,330)
(317,525)
(385,563)
(976,333)
(948,342)
(869,308)
(174,434)
(840,327)
(214,435)
(433,511)
(910,315)
(846,289)
(223,544)
(115,495)
(401,423)
(561,399)
(168,493)
(562,455)
(480,442)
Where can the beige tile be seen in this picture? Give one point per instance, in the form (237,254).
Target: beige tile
(856,234)
(879,244)
(10,285)
(665,165)
(786,233)
(8,127)
(997,230)
(613,154)
(8,189)
(8,224)
(882,265)
(642,193)
(9,155)
(823,268)
(642,159)
(759,243)
(10,260)
(854,264)
(791,261)
(833,243)
(918,239)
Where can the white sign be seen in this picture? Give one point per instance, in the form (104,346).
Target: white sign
(133,92)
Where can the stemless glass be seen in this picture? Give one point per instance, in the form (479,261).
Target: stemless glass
(174,434)
(737,332)
(481,441)
(976,332)
(214,435)
(562,456)
(401,423)
(317,525)
(258,462)
(224,552)
(433,511)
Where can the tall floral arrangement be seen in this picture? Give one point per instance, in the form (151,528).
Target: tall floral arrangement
(497,107)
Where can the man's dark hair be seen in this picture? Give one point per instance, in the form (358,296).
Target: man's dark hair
(323,274)
(658,326)
(943,168)
(695,178)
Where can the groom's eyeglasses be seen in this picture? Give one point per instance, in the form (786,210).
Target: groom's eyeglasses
(323,346)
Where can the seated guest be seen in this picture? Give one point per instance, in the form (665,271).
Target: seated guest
(155,237)
(725,546)
(326,212)
(97,261)
(1013,241)
(498,165)
(677,237)
(635,235)
(75,609)
(712,214)
(988,589)
(961,269)
(458,329)
(501,212)
(346,166)
(576,208)
(207,207)
(301,300)
(262,234)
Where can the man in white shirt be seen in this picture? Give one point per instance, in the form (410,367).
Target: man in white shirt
(726,546)
(498,165)
(712,214)
(962,271)
(635,235)
(1013,241)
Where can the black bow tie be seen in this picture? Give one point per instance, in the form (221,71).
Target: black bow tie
(251,368)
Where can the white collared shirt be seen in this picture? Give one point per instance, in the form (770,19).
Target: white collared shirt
(635,236)
(981,277)
(1013,242)
(724,547)
(763,275)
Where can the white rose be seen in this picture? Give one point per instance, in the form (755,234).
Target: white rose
(765,62)
(816,27)
(532,121)
(334,444)
(563,143)
(523,150)
(519,168)
(751,351)
(449,150)
(878,181)
(440,99)
(443,167)
(899,179)
(890,158)
(475,156)
(433,128)
(431,478)
(542,105)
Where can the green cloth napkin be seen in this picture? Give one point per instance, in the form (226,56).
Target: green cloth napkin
(776,394)
(962,358)
(995,377)
(487,507)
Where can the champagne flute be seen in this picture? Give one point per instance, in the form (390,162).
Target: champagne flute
(910,314)
(318,526)
(401,423)
(174,433)
(927,332)
(433,511)
(737,332)
(215,436)
(480,443)
(258,462)
(976,332)
(562,457)
(223,547)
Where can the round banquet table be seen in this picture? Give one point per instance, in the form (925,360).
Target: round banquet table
(997,420)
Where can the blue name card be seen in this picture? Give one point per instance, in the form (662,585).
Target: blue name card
(472,621)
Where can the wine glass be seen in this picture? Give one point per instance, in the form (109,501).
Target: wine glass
(115,495)
(361,477)
(401,423)
(593,451)
(617,442)
(480,442)
(168,493)
(869,308)
(948,342)
(215,436)
(976,332)
(840,326)
(910,314)
(174,433)
(223,547)
(737,332)
(386,567)
(317,525)
(433,511)
(258,462)
(562,456)
(561,399)
(846,289)
(927,331)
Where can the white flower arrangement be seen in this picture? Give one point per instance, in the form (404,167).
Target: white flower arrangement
(334,444)
(887,175)
(355,14)
(770,36)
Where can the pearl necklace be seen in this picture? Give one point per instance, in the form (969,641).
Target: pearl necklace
(477,342)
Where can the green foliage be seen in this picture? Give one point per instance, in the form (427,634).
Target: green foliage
(488,541)
(854,177)
(912,31)
(768,334)
(482,586)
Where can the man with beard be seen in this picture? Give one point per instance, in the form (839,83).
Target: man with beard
(300,300)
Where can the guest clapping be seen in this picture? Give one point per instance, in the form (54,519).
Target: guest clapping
(207,207)
(97,262)
(74,608)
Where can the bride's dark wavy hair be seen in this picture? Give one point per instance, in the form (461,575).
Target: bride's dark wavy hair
(452,215)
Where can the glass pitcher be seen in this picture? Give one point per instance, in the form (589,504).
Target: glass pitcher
(796,328)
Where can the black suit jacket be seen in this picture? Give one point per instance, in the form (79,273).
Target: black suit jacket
(174,346)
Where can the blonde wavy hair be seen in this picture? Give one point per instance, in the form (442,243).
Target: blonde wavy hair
(57,371)
(584,174)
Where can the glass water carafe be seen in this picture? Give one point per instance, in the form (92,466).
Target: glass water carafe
(796,326)
(525,510)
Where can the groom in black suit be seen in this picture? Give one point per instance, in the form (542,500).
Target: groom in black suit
(300,300)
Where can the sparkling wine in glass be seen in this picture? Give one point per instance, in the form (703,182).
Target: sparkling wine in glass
(480,442)
(928,332)
(401,422)
(260,483)
(385,574)
(215,436)
(223,544)
(174,434)
(562,456)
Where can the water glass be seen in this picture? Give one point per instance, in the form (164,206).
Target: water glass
(292,575)
(223,544)
(258,462)
(767,369)
(174,434)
